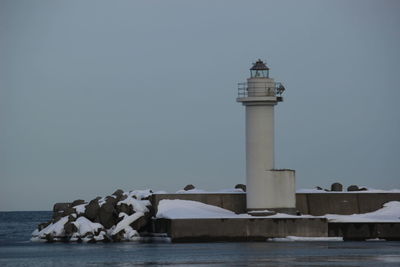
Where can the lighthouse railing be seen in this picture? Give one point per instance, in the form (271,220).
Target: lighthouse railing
(259,91)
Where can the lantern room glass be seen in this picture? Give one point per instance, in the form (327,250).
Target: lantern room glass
(259,73)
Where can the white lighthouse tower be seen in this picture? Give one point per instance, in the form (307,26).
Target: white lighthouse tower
(267,188)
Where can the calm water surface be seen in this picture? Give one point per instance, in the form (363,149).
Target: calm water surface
(17,250)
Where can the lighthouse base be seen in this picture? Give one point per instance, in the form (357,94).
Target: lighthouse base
(272,190)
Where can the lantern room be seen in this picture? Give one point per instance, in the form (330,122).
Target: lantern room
(259,70)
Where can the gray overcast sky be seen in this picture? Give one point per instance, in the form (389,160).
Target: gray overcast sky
(100,95)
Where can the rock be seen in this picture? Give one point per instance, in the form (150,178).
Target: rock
(118,193)
(77,202)
(125,208)
(336,187)
(106,239)
(107,215)
(111,200)
(146,198)
(123,197)
(363,189)
(241,186)
(353,188)
(141,222)
(68,211)
(189,187)
(49,238)
(70,229)
(118,237)
(318,188)
(92,210)
(41,226)
(59,207)
(56,217)
(152,210)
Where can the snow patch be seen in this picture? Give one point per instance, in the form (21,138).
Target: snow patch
(305,239)
(389,213)
(184,209)
(201,191)
(80,209)
(188,209)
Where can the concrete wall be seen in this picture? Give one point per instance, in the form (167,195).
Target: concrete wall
(362,231)
(342,203)
(313,203)
(258,229)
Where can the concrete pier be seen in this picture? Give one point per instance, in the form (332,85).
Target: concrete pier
(316,204)
(239,229)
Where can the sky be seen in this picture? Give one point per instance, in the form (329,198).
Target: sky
(101,95)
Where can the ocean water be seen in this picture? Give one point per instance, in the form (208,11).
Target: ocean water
(17,250)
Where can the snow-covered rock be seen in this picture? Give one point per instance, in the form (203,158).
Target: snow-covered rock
(117,217)
(53,230)
(85,226)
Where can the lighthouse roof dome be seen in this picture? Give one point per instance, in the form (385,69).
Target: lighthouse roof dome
(259,65)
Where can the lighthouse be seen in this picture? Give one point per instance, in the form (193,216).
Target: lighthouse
(267,188)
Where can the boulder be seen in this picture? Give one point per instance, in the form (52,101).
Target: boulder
(152,210)
(319,188)
(56,217)
(41,226)
(149,196)
(241,186)
(336,187)
(125,208)
(141,222)
(77,202)
(108,216)
(68,211)
(59,207)
(118,193)
(118,237)
(353,188)
(92,210)
(189,187)
(49,238)
(123,197)
(111,200)
(70,229)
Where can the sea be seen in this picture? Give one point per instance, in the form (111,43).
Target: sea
(16,249)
